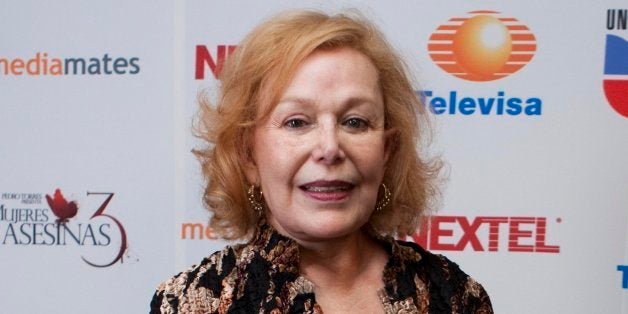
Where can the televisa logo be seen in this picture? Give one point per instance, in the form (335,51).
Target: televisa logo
(616,61)
(25,221)
(482,46)
(498,104)
(486,234)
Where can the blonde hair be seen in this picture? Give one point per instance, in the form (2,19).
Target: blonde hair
(253,79)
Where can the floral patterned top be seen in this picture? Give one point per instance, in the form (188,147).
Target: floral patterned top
(262,276)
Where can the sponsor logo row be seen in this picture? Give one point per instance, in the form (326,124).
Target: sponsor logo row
(484,46)
(457,233)
(480,46)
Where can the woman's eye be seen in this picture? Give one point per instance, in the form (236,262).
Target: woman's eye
(295,123)
(356,123)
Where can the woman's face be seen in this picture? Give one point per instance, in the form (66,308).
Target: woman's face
(320,155)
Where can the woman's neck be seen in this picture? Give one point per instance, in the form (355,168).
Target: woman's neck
(343,263)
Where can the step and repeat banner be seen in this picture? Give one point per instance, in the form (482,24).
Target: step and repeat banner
(100,195)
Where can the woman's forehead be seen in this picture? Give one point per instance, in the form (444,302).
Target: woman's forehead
(275,85)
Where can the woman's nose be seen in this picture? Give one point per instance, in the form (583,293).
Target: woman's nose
(328,149)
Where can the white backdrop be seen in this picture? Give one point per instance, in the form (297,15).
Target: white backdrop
(535,207)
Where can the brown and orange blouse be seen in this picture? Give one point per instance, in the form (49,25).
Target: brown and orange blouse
(262,276)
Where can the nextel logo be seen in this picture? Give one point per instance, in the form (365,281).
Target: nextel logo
(204,60)
(458,233)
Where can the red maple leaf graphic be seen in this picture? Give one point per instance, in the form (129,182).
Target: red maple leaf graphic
(61,208)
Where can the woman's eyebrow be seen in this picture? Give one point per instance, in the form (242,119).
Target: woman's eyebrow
(297,100)
(351,101)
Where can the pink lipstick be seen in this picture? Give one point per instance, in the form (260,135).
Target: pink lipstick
(328,191)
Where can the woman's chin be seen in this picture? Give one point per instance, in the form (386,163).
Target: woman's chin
(323,227)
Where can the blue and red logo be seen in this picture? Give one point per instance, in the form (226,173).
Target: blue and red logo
(616,73)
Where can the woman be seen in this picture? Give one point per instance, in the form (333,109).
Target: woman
(312,157)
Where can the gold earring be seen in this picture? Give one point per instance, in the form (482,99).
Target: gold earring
(255,202)
(382,203)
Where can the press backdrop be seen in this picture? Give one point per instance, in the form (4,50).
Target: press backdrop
(100,194)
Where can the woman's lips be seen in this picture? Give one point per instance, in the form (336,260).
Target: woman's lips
(327,191)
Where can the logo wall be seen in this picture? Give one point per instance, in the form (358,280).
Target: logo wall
(25,220)
(616,62)
(480,47)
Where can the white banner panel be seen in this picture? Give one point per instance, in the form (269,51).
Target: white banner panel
(87,120)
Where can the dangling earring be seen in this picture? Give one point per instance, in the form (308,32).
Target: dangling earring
(255,202)
(382,203)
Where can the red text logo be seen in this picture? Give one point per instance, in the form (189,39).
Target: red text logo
(459,233)
(204,60)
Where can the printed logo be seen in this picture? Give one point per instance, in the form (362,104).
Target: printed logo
(203,59)
(26,221)
(63,209)
(616,62)
(624,275)
(482,46)
(197,230)
(486,234)
(41,64)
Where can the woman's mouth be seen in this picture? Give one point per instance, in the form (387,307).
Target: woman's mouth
(327,191)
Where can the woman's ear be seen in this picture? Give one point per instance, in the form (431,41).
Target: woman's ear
(250,167)
(390,138)
(251,172)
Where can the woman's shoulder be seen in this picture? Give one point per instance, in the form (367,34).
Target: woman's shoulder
(199,284)
(444,278)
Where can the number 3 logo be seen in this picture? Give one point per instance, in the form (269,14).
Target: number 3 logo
(101,213)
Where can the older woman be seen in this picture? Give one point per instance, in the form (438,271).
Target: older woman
(312,157)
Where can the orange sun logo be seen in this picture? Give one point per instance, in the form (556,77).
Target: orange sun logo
(482,46)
